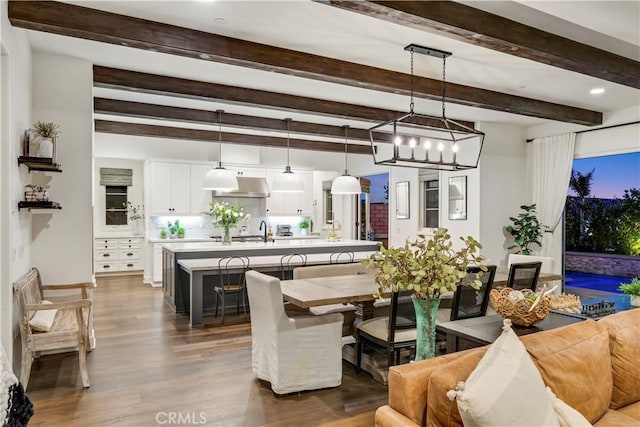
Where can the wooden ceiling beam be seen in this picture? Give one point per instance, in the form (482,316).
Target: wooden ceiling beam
(91,24)
(480,28)
(190,115)
(114,78)
(137,129)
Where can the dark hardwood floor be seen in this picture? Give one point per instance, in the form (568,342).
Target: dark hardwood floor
(149,366)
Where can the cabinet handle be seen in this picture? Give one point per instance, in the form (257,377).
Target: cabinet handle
(129,254)
(106,255)
(106,266)
(106,247)
(129,265)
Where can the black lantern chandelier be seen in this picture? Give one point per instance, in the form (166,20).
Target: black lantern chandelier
(421,141)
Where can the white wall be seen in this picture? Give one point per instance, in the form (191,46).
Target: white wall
(136,147)
(403,229)
(503,187)
(15,226)
(62,246)
(470,226)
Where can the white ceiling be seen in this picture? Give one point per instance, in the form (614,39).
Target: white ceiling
(323,30)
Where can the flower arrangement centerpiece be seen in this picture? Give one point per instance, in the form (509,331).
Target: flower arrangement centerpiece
(226,216)
(428,267)
(135,213)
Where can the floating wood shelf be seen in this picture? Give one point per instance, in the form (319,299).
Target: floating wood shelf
(39,205)
(39,164)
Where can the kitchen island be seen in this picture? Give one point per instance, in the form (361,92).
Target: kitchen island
(176,281)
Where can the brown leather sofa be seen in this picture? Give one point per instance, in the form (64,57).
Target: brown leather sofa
(592,366)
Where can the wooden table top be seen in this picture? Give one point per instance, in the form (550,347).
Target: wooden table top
(487,329)
(318,291)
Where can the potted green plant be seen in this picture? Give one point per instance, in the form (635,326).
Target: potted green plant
(304,226)
(173,228)
(163,233)
(428,267)
(633,290)
(181,232)
(43,142)
(526,230)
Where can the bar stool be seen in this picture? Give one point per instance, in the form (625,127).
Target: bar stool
(288,262)
(231,271)
(345,256)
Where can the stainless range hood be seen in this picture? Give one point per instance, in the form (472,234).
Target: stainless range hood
(247,187)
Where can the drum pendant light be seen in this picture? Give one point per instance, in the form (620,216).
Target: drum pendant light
(346,184)
(287,181)
(220,179)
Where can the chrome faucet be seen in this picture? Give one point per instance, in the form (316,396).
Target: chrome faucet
(263,222)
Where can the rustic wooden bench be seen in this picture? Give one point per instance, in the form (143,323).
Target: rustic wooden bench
(68,330)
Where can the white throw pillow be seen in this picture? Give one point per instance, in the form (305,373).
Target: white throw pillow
(43,319)
(505,389)
(567,416)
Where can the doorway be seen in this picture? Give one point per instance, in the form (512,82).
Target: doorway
(373,208)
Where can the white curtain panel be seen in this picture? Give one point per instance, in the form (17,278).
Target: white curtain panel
(552,163)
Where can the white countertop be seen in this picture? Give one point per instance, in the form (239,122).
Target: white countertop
(209,239)
(241,246)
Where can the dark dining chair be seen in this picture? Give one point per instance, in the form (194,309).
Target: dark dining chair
(469,302)
(392,333)
(524,275)
(231,273)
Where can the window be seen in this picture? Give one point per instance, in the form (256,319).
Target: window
(431,196)
(115,205)
(328,202)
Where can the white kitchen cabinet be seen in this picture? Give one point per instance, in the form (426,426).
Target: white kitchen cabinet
(247,171)
(169,184)
(118,254)
(157,263)
(200,199)
(290,203)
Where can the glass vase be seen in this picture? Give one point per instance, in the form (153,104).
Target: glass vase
(426,309)
(226,237)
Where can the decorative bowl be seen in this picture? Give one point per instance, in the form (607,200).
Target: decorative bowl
(518,311)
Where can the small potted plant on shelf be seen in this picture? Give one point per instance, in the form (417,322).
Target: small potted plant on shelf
(43,142)
(304,226)
(181,232)
(633,290)
(163,233)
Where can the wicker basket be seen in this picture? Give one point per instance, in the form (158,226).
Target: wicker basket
(519,312)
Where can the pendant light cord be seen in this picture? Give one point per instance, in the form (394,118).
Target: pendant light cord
(288,121)
(444,83)
(346,136)
(411,104)
(220,138)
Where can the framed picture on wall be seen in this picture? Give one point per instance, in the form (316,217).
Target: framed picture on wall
(402,200)
(458,198)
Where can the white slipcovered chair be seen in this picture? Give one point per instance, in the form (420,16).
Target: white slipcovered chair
(293,354)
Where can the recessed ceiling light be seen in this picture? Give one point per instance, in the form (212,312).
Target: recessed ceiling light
(597,91)
(219,20)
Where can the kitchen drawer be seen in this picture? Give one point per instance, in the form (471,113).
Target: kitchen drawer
(106,255)
(106,244)
(129,243)
(134,264)
(106,266)
(127,254)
